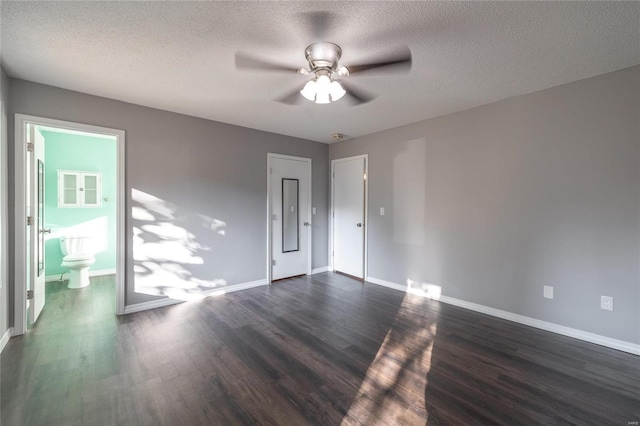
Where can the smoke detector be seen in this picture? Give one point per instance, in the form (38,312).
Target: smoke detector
(337,137)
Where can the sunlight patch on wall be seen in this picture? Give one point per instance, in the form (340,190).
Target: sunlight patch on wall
(139,213)
(152,204)
(430,291)
(165,251)
(97,229)
(214,225)
(397,377)
(172,244)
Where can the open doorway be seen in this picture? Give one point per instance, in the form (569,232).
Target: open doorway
(69,224)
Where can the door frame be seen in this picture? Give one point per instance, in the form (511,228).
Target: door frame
(366,211)
(271,156)
(20,214)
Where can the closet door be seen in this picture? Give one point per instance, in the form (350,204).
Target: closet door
(349,216)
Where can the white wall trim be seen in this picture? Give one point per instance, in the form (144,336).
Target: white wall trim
(138,307)
(236,287)
(144,306)
(5,338)
(4,220)
(620,345)
(320,270)
(65,276)
(387,284)
(20,226)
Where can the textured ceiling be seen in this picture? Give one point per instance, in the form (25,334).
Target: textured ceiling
(179,56)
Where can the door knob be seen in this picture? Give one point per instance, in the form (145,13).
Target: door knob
(307,224)
(46,231)
(359,225)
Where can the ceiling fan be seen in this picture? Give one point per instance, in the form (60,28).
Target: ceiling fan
(327,83)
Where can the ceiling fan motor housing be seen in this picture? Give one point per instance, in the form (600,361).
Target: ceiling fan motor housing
(323,55)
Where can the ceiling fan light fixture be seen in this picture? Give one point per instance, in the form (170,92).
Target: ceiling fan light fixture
(309,90)
(336,90)
(323,98)
(323,82)
(343,71)
(322,90)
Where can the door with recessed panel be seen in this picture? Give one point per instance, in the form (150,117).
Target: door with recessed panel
(290,210)
(349,215)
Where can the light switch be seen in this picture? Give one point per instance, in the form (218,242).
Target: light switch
(313,210)
(381,211)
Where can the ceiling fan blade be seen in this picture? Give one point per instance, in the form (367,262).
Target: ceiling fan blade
(244,61)
(319,24)
(292,98)
(355,95)
(398,61)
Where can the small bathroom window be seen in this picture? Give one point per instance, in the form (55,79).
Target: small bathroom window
(79,189)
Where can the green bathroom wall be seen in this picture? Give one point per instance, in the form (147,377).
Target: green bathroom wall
(84,153)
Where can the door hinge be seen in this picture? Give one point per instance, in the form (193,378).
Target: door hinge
(273,262)
(29,220)
(29,146)
(29,294)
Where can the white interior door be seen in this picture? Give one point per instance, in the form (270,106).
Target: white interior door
(349,216)
(290,209)
(37,231)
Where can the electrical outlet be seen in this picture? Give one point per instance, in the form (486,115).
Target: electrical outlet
(547,292)
(381,211)
(606,303)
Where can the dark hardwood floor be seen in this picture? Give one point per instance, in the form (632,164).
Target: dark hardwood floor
(323,350)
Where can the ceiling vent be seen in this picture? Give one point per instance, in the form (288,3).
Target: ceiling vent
(337,137)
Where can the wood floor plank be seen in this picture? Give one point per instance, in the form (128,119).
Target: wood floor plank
(312,350)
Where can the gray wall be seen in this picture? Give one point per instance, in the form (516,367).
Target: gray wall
(495,202)
(4,273)
(198,185)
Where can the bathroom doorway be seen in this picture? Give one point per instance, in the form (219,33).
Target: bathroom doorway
(70,193)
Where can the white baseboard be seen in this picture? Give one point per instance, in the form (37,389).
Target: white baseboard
(129,309)
(320,270)
(620,345)
(235,287)
(5,338)
(387,284)
(65,276)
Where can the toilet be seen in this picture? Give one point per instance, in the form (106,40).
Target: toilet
(78,256)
